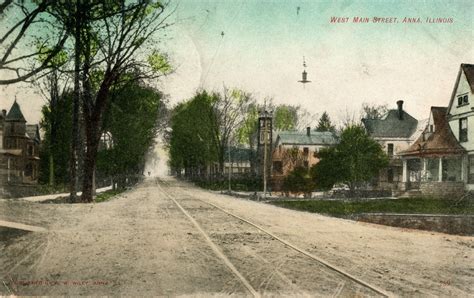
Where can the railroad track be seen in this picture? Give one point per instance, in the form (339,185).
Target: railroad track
(253,264)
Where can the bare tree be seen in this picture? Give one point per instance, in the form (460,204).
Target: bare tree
(230,110)
(21,42)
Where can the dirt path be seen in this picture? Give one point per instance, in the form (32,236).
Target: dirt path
(143,244)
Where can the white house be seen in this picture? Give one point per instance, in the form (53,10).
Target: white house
(395,131)
(461,118)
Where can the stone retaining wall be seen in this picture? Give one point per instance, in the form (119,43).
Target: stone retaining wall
(445,189)
(450,224)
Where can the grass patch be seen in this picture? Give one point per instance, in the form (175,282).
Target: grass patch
(107,195)
(409,206)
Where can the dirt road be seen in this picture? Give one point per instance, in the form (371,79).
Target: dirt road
(168,238)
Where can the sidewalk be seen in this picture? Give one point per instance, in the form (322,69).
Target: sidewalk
(58,195)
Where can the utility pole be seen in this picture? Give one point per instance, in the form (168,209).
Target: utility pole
(230,165)
(265,157)
(265,132)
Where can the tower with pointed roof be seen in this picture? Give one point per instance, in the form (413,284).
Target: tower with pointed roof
(19,150)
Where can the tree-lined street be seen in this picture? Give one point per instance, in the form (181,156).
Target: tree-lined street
(142,243)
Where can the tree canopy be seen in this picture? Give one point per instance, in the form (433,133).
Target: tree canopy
(325,124)
(131,121)
(192,142)
(355,160)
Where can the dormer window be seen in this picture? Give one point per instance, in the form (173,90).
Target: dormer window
(463,100)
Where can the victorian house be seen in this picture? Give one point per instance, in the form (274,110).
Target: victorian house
(395,131)
(19,148)
(441,162)
(434,165)
(460,116)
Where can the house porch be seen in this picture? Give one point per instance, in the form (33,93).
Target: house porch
(434,176)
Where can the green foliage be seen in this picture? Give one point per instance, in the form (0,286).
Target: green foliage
(107,195)
(249,126)
(356,159)
(192,141)
(285,117)
(131,119)
(57,122)
(298,180)
(406,206)
(325,124)
(159,62)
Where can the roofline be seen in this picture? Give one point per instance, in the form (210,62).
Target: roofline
(453,93)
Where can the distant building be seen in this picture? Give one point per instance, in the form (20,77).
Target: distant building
(238,161)
(19,148)
(395,132)
(297,149)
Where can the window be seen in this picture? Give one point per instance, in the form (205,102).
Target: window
(30,150)
(305,151)
(431,128)
(463,100)
(463,130)
(390,175)
(390,149)
(306,164)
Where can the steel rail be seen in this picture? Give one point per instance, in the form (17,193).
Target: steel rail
(213,246)
(319,260)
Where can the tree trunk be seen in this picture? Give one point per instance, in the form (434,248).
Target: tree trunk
(51,169)
(89,167)
(76,100)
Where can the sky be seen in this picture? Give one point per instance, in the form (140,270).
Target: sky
(264,42)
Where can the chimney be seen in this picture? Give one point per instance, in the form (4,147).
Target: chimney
(308,131)
(400,109)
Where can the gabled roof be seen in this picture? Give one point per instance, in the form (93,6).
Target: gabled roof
(302,138)
(439,143)
(15,113)
(391,126)
(238,154)
(468,70)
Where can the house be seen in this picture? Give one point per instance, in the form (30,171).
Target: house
(19,148)
(297,148)
(460,116)
(238,161)
(433,165)
(395,131)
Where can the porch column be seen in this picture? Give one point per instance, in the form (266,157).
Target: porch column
(405,171)
(440,170)
(424,176)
